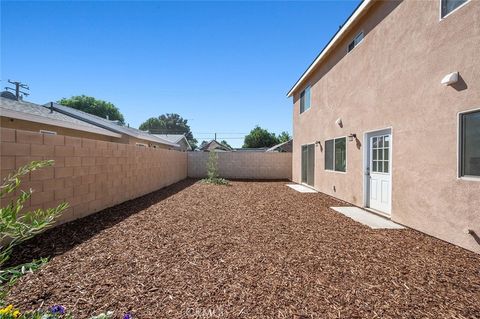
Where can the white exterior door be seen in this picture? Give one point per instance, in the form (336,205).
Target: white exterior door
(379,177)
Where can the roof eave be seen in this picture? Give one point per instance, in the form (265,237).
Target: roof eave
(357,13)
(47,121)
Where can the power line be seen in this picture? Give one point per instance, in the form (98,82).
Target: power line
(18,86)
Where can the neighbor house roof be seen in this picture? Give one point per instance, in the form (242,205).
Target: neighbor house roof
(214,145)
(174,138)
(108,125)
(282,147)
(28,111)
(339,35)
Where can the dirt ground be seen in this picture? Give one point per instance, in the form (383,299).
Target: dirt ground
(249,250)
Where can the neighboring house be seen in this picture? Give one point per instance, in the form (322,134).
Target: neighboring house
(214,146)
(248,149)
(29,116)
(179,139)
(129,135)
(383,121)
(285,147)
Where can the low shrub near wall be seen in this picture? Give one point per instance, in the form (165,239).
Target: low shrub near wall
(90,175)
(243,165)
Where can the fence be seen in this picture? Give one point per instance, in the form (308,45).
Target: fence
(243,165)
(90,175)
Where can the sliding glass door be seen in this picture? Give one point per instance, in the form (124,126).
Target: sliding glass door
(308,164)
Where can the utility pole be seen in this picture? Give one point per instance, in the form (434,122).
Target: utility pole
(18,86)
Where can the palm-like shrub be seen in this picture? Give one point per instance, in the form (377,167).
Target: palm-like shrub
(212,171)
(16,226)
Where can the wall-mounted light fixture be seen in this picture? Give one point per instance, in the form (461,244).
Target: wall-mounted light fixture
(352,137)
(339,122)
(450,79)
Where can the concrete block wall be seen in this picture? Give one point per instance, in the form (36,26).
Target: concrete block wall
(243,165)
(90,175)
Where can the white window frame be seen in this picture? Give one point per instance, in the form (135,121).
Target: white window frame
(346,155)
(448,14)
(459,147)
(353,40)
(300,99)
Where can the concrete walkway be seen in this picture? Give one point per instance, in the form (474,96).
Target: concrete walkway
(368,219)
(301,188)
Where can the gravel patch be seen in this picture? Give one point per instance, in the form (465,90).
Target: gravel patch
(248,250)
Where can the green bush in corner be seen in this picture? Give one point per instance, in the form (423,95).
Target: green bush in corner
(212,171)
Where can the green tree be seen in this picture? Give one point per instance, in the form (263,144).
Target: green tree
(284,137)
(93,106)
(225,143)
(259,137)
(169,123)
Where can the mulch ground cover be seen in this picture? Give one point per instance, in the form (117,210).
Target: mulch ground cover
(248,250)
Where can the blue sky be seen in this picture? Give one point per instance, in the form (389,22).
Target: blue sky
(225,66)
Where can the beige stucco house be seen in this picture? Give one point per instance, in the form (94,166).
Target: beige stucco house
(387,117)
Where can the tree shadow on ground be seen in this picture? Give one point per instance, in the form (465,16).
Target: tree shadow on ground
(63,238)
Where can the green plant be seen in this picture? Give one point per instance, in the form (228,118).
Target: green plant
(16,226)
(212,171)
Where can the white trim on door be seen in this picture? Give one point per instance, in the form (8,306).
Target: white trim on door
(366,159)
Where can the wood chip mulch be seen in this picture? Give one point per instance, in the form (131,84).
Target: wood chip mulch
(249,250)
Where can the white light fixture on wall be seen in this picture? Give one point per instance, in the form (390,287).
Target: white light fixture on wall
(450,79)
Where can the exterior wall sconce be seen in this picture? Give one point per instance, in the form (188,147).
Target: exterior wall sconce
(352,137)
(450,79)
(339,122)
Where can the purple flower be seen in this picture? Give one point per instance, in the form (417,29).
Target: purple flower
(57,310)
(127,316)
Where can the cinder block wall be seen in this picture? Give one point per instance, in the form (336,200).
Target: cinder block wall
(88,174)
(243,165)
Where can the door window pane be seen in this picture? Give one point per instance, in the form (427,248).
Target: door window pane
(311,164)
(304,163)
(329,154)
(470,144)
(385,166)
(450,5)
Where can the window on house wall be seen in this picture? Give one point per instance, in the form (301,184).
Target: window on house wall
(141,144)
(358,38)
(336,154)
(305,100)
(450,5)
(470,144)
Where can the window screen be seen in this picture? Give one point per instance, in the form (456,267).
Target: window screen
(305,100)
(329,154)
(470,144)
(358,38)
(336,154)
(340,154)
(450,5)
